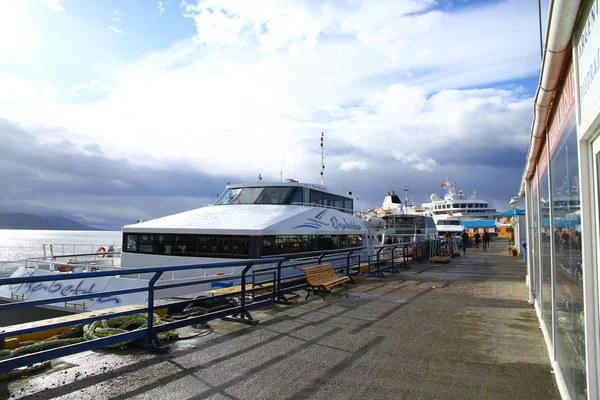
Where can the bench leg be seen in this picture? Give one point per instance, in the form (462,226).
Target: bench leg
(308,292)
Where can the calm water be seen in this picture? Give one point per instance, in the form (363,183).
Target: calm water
(18,244)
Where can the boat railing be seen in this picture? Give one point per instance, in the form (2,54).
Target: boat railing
(69,262)
(65,249)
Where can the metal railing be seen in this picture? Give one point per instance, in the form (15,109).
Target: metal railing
(391,257)
(273,277)
(150,332)
(277,277)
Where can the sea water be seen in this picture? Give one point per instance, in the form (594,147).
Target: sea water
(17,244)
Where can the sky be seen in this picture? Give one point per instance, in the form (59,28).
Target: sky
(117,110)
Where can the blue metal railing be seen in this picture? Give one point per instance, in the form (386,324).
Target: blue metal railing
(150,331)
(271,279)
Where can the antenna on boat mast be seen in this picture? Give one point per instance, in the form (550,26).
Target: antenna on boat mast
(406,190)
(282,160)
(322,158)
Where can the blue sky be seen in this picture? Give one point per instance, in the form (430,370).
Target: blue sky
(101,97)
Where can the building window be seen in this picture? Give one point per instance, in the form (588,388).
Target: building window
(570,340)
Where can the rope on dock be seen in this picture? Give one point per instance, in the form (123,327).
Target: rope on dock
(114,326)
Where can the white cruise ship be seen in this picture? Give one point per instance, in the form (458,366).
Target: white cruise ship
(454,205)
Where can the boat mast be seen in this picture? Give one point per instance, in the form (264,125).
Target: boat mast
(406,200)
(322,158)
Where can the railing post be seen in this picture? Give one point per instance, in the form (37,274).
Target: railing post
(151,336)
(280,296)
(377,258)
(321,257)
(348,266)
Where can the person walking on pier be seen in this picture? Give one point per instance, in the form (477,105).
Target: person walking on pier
(477,237)
(486,240)
(465,240)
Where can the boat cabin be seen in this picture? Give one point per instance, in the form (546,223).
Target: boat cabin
(408,228)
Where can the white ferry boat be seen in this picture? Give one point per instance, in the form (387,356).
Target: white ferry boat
(248,221)
(455,205)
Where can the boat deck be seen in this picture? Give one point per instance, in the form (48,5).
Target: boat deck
(444,331)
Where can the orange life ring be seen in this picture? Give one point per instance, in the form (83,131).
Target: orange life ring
(101,252)
(220,274)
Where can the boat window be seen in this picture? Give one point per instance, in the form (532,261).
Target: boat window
(273,245)
(163,243)
(273,195)
(215,246)
(261,195)
(469,205)
(240,196)
(331,200)
(130,241)
(145,243)
(296,196)
(349,205)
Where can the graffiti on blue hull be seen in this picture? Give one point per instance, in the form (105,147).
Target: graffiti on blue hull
(66,289)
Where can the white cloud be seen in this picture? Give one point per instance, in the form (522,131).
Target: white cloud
(260,78)
(161,8)
(352,165)
(415,161)
(53,4)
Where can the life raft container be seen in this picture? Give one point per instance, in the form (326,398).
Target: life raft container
(68,267)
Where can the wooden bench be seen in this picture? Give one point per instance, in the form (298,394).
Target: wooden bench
(322,278)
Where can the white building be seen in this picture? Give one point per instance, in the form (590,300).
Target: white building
(561,186)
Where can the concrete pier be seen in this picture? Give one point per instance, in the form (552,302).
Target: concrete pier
(461,330)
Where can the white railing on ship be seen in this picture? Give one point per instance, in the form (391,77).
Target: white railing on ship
(63,249)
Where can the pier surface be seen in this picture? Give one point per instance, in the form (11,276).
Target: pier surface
(461,330)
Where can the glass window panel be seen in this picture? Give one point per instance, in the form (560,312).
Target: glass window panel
(535,222)
(569,278)
(131,240)
(316,197)
(545,251)
(145,243)
(273,195)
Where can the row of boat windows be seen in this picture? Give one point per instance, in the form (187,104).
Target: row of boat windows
(283,195)
(468,211)
(273,245)
(460,205)
(230,246)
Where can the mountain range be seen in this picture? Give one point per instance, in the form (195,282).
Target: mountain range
(29,221)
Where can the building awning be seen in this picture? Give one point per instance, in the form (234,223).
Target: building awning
(479,223)
(508,213)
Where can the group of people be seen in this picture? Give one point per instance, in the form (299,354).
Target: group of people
(461,240)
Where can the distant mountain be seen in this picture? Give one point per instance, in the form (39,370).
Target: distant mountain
(28,221)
